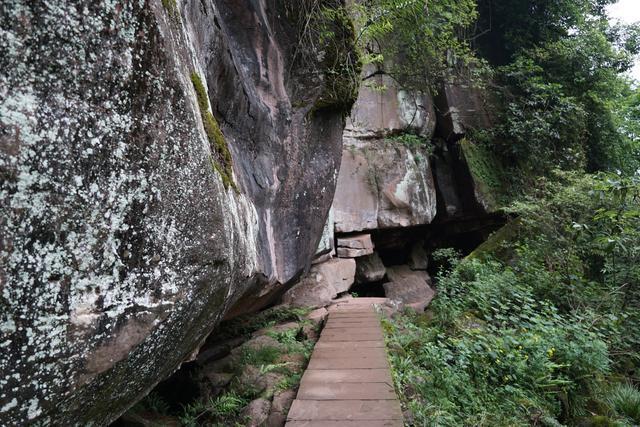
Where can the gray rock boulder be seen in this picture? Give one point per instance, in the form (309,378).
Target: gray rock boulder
(411,288)
(381,112)
(383,185)
(323,283)
(256,412)
(122,245)
(397,273)
(369,269)
(338,273)
(310,291)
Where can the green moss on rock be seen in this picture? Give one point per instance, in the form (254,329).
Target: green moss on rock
(488,175)
(221,156)
(326,48)
(499,245)
(172,8)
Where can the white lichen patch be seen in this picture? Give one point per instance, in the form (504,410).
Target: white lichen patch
(86,242)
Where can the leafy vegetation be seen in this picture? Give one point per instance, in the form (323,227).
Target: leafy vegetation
(547,333)
(557,72)
(278,344)
(325,52)
(225,408)
(422,34)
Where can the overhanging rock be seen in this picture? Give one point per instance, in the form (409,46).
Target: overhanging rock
(383,185)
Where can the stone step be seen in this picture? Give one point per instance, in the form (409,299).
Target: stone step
(330,376)
(337,410)
(345,391)
(348,363)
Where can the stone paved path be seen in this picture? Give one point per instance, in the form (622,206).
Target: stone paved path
(348,381)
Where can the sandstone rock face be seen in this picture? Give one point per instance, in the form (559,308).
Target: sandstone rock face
(355,246)
(369,269)
(359,241)
(120,246)
(355,204)
(378,113)
(338,273)
(462,107)
(323,283)
(327,239)
(409,287)
(310,291)
(383,185)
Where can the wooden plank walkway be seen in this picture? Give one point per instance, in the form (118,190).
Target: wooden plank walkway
(348,381)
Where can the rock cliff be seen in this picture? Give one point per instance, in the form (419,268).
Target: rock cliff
(160,161)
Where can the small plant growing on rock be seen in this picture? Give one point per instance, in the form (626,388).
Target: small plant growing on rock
(221,156)
(221,408)
(172,8)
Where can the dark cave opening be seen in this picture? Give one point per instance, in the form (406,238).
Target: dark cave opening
(367,290)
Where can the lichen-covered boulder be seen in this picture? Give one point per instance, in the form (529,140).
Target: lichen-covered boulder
(159,161)
(383,184)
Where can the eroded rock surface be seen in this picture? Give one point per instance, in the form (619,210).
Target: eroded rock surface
(370,269)
(120,246)
(383,112)
(383,185)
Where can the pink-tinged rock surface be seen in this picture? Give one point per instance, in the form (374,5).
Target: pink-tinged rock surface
(121,247)
(409,287)
(383,185)
(322,284)
(359,241)
(338,273)
(378,113)
(462,107)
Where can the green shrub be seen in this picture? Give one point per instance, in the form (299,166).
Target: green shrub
(624,400)
(534,336)
(260,356)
